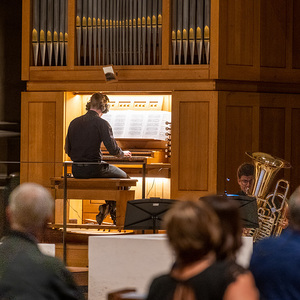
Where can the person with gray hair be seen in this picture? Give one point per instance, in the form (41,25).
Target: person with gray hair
(275,261)
(25,272)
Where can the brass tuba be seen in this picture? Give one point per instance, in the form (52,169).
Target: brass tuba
(271,208)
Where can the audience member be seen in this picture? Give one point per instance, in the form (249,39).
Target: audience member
(230,219)
(195,234)
(245,178)
(26,273)
(275,261)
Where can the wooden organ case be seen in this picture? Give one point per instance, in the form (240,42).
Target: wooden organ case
(230,67)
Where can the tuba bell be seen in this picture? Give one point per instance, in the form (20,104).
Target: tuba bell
(271,208)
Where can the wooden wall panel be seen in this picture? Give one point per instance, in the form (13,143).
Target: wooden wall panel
(296,34)
(295,149)
(272,135)
(41,125)
(239,40)
(273,33)
(238,128)
(272,131)
(42,131)
(41,136)
(261,122)
(276,130)
(258,41)
(239,135)
(240,32)
(194,144)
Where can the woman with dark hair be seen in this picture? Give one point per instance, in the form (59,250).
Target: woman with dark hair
(230,219)
(195,234)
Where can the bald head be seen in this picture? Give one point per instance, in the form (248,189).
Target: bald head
(30,207)
(294,209)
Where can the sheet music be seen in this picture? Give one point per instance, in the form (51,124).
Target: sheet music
(119,124)
(135,125)
(138,124)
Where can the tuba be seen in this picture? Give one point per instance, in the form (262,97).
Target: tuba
(271,208)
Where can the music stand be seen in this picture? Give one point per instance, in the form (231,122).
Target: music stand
(146,213)
(248,209)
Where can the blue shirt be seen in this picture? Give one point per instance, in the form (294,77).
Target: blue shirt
(275,264)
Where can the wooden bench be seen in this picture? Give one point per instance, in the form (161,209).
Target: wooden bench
(116,189)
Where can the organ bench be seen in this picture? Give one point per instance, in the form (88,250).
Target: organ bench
(116,189)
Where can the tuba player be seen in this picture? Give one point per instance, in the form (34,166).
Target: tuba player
(245,178)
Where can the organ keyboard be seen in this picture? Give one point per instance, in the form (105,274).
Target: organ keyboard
(150,161)
(147,156)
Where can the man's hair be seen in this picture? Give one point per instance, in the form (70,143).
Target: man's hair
(294,209)
(245,169)
(193,230)
(98,101)
(31,206)
(228,212)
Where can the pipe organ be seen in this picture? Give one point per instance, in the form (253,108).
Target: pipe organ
(190,31)
(167,47)
(49,32)
(120,32)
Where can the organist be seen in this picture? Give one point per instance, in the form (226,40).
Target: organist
(84,138)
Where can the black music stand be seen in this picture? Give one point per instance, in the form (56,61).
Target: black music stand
(146,213)
(248,209)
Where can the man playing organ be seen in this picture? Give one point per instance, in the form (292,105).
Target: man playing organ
(84,138)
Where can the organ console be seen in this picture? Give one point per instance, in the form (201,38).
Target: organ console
(142,125)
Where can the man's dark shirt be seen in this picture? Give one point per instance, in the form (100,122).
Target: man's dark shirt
(85,135)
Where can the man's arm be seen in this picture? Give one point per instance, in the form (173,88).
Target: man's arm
(110,142)
(67,145)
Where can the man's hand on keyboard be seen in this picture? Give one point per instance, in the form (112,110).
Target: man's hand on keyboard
(127,153)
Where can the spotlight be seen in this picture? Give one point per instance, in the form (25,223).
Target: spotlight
(110,75)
